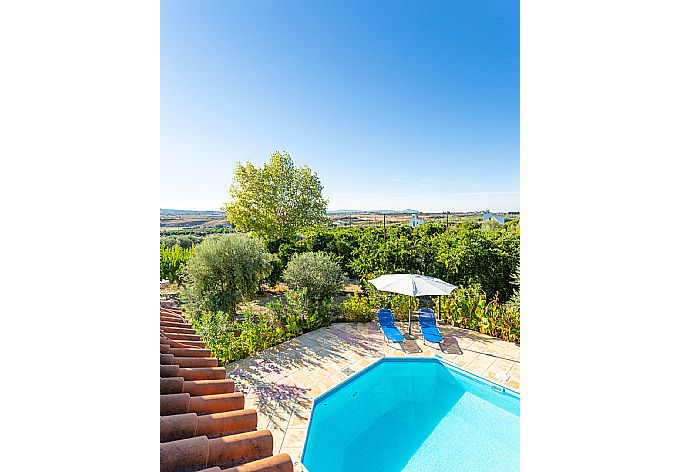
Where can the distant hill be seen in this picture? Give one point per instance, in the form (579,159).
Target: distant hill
(333,212)
(168,211)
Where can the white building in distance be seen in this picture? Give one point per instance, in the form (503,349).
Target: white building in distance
(414,221)
(490,216)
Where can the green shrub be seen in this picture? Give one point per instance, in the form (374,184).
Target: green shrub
(281,250)
(467,307)
(218,330)
(461,254)
(183,241)
(395,254)
(358,308)
(514,302)
(225,270)
(318,274)
(362,308)
(172,261)
(256,335)
(466,256)
(299,316)
(230,340)
(398,303)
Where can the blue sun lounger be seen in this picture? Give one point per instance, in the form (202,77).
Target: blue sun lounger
(388,327)
(427,323)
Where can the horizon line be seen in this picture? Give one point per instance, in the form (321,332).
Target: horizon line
(370,211)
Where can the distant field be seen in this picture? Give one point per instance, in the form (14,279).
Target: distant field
(377,219)
(172,219)
(180,219)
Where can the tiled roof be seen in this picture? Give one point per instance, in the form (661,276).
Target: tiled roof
(204,425)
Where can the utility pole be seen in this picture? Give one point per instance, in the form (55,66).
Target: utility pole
(384,227)
(350,218)
(446,220)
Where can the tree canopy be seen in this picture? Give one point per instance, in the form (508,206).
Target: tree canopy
(225,270)
(277,200)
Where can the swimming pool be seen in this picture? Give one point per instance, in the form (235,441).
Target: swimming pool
(414,414)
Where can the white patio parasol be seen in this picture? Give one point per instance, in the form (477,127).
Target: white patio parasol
(414,285)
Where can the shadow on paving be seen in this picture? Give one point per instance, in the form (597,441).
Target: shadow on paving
(264,376)
(359,344)
(450,345)
(410,346)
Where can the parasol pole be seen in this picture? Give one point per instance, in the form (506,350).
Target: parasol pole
(409,316)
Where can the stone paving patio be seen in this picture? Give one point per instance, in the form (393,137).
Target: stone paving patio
(281,382)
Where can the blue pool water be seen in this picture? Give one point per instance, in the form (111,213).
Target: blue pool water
(414,414)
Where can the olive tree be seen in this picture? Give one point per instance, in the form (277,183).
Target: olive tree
(321,276)
(225,270)
(277,200)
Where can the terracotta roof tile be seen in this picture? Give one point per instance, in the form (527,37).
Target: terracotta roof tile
(204,425)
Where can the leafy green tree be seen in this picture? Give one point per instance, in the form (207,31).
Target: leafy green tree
(394,254)
(277,200)
(338,243)
(321,276)
(466,255)
(463,254)
(225,270)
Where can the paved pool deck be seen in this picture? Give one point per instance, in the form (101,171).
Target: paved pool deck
(282,382)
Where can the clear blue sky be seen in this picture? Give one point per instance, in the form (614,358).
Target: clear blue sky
(394,104)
